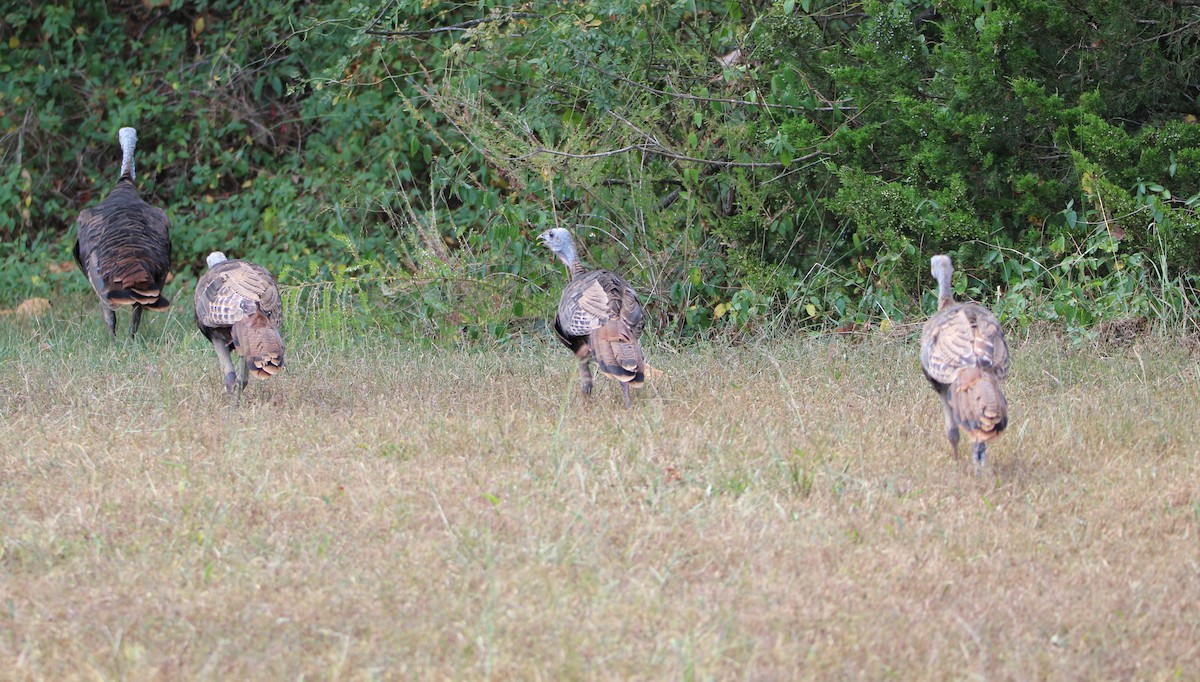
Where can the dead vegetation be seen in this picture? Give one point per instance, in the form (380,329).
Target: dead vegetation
(776,511)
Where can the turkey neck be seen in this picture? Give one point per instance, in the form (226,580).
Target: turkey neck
(128,142)
(945,294)
(571,259)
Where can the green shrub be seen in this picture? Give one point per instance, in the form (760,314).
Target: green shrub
(748,166)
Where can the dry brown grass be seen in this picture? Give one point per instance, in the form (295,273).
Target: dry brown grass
(776,511)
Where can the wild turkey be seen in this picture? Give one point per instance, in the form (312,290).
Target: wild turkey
(964,356)
(123,247)
(238,307)
(599,318)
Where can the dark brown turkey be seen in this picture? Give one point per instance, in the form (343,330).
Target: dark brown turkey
(238,308)
(599,318)
(964,356)
(123,247)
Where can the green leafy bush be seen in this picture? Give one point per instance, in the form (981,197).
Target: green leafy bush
(748,165)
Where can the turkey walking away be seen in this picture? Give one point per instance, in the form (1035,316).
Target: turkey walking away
(123,247)
(599,318)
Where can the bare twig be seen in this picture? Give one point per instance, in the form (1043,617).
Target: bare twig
(554,152)
(734,164)
(1190,24)
(379,17)
(659,148)
(461,26)
(651,146)
(833,106)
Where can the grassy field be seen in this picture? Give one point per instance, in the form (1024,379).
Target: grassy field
(775,511)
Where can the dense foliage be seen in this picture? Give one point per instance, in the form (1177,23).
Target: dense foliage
(745,163)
